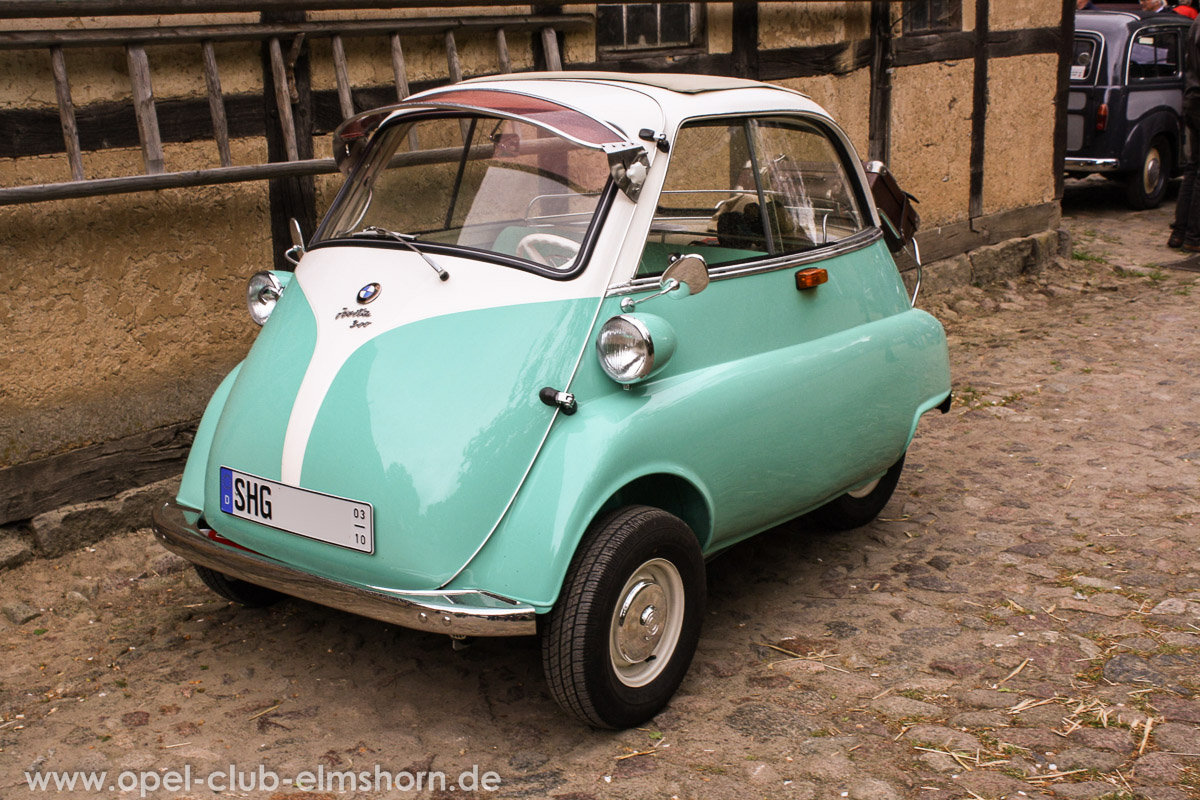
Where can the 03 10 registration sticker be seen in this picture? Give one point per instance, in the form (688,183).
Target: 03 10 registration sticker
(313,515)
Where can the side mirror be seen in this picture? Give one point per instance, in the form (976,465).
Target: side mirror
(688,274)
(294,252)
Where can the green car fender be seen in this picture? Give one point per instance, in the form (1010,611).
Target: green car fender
(528,555)
(191,487)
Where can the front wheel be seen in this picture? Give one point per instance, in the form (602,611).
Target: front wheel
(859,506)
(621,637)
(1147,186)
(244,594)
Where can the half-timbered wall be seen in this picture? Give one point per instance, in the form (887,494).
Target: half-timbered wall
(120,312)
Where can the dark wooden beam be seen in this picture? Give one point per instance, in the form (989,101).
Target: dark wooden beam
(15,9)
(171,35)
(1066,49)
(947,241)
(805,62)
(293,197)
(93,472)
(882,60)
(745,40)
(979,107)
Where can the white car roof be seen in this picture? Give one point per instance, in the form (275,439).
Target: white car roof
(626,100)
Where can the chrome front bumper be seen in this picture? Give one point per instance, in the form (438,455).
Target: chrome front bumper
(456,613)
(1092,165)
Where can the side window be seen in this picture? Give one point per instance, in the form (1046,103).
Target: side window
(1154,55)
(745,189)
(1084,60)
(807,191)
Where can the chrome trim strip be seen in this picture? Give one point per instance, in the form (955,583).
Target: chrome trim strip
(1094,164)
(457,612)
(850,244)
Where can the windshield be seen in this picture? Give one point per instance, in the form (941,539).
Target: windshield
(504,187)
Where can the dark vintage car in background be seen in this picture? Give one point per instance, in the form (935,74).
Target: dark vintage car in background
(1124,109)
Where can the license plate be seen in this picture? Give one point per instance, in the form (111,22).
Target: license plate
(313,515)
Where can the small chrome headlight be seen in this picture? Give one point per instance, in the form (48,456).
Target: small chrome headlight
(262,293)
(629,352)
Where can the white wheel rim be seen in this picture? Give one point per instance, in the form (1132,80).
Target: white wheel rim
(863,490)
(646,623)
(1152,170)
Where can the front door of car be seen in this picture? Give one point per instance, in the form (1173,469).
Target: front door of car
(789,386)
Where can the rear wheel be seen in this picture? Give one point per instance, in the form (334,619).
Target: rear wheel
(1146,187)
(240,592)
(861,505)
(621,637)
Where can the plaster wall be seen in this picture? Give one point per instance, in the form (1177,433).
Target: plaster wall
(1018,14)
(804,24)
(1018,155)
(112,308)
(931,138)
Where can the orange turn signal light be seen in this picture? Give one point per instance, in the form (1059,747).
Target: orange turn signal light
(811,278)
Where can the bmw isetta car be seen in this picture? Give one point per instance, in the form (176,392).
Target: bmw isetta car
(560,338)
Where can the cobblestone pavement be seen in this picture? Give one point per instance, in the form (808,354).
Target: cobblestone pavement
(1023,620)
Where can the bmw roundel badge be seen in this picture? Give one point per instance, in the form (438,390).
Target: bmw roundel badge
(368,293)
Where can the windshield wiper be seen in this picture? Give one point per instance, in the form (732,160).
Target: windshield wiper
(407,240)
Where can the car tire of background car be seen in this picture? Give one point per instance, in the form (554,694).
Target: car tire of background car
(240,592)
(622,634)
(858,507)
(1146,187)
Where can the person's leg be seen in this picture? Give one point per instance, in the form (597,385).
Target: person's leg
(1187,207)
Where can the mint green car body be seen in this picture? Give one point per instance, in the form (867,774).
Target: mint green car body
(768,401)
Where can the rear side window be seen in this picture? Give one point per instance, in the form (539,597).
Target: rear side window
(750,188)
(1154,55)
(1083,63)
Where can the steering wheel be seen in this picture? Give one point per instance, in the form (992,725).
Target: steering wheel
(548,249)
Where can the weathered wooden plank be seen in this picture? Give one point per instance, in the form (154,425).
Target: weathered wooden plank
(283,100)
(399,72)
(1066,49)
(1032,41)
(502,51)
(879,123)
(94,472)
(216,104)
(66,113)
(194,34)
(452,61)
(143,107)
(550,48)
(979,106)
(32,132)
(15,9)
(804,62)
(951,240)
(745,40)
(164,180)
(341,72)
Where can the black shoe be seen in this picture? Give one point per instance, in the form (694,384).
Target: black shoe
(1191,247)
(1176,240)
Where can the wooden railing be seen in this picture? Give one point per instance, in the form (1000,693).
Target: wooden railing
(283,42)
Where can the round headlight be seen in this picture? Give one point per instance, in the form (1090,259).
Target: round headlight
(626,349)
(262,293)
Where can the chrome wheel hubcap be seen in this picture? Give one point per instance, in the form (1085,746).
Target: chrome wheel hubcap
(1153,170)
(646,622)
